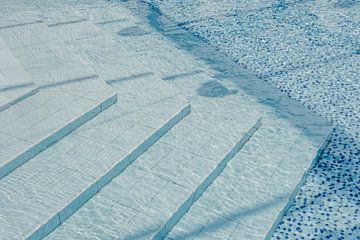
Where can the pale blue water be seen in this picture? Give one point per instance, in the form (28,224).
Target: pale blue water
(311,51)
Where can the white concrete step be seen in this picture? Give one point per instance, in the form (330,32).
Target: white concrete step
(248,199)
(198,147)
(70,94)
(195,69)
(42,193)
(159,187)
(282,167)
(211,81)
(15,83)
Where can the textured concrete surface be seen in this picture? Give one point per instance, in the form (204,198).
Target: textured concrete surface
(213,84)
(202,174)
(70,93)
(15,83)
(43,192)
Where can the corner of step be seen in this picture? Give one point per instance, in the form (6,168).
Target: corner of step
(202,187)
(112,172)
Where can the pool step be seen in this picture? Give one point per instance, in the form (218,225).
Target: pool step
(204,181)
(39,196)
(158,188)
(15,84)
(214,75)
(250,196)
(143,198)
(42,193)
(70,93)
(216,127)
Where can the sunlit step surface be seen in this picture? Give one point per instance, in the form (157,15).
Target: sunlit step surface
(248,199)
(195,69)
(76,168)
(169,176)
(215,85)
(42,193)
(70,93)
(15,83)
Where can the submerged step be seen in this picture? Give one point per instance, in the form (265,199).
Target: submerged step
(42,193)
(250,196)
(206,181)
(70,93)
(185,62)
(144,196)
(45,191)
(15,83)
(155,191)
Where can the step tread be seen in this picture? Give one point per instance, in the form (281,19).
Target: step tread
(56,176)
(191,75)
(15,83)
(59,179)
(70,92)
(161,180)
(245,201)
(202,75)
(192,139)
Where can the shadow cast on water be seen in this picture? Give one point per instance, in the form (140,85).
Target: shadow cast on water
(14,87)
(178,76)
(69,81)
(128,78)
(133,32)
(213,225)
(49,85)
(214,89)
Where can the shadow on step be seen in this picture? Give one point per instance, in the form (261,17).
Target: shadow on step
(213,225)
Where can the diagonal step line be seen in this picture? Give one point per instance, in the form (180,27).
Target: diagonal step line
(186,205)
(20,98)
(110,22)
(113,171)
(66,23)
(294,193)
(55,136)
(21,24)
(44,140)
(21,85)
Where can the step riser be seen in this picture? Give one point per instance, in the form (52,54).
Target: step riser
(114,171)
(56,136)
(184,208)
(297,188)
(19,99)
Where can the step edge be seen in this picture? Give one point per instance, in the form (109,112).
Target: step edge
(114,171)
(202,187)
(20,98)
(55,136)
(290,200)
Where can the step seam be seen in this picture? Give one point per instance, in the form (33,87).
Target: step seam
(202,187)
(113,171)
(19,99)
(55,136)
